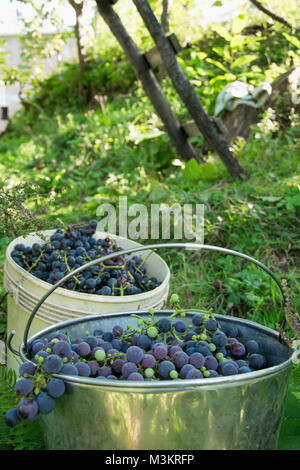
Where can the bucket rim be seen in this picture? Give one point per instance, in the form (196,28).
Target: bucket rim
(166,385)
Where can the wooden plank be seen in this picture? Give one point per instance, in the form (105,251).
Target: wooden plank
(191,129)
(187,93)
(2,353)
(149,82)
(153,56)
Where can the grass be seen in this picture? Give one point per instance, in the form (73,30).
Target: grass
(81,159)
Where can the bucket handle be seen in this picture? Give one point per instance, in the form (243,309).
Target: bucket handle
(189,246)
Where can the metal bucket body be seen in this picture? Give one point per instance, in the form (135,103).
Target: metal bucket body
(240,412)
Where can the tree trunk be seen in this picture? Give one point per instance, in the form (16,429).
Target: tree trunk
(78,7)
(187,93)
(165,17)
(165,23)
(149,82)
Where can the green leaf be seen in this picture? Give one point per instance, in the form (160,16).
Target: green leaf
(237,41)
(158,194)
(243,60)
(217,64)
(292,39)
(137,136)
(221,31)
(238,25)
(204,172)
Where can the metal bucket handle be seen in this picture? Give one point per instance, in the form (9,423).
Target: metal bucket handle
(190,246)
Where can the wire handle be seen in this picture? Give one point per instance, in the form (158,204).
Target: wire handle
(190,246)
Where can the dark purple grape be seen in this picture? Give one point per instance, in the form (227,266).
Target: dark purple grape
(83,369)
(219,339)
(144,342)
(252,346)
(77,341)
(189,335)
(197,360)
(194,374)
(108,336)
(105,290)
(232,341)
(148,361)
(174,349)
(257,361)
(45,403)
(229,369)
(53,364)
(83,349)
(237,350)
(117,330)
(112,352)
(203,348)
(24,386)
(62,349)
(180,358)
(213,373)
(12,418)
(135,376)
(197,319)
(210,362)
(26,368)
(128,368)
(28,408)
(134,354)
(116,344)
(185,369)
(232,331)
(94,368)
(164,369)
(92,341)
(180,326)
(241,363)
(56,388)
(244,370)
(69,369)
(211,324)
(164,325)
(104,370)
(160,351)
(36,347)
(61,337)
(117,365)
(106,346)
(134,340)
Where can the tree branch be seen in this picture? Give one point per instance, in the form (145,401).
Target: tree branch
(272,15)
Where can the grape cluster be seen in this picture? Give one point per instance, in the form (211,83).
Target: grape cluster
(68,250)
(156,349)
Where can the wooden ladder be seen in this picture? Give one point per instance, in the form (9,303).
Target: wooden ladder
(165,51)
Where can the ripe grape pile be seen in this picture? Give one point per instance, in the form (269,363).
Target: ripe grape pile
(167,348)
(68,250)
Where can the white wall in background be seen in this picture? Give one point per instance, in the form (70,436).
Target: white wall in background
(9,95)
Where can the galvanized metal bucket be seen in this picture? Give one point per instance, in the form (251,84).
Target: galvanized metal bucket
(240,412)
